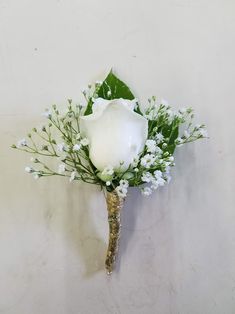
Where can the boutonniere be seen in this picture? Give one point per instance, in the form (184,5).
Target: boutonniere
(112,142)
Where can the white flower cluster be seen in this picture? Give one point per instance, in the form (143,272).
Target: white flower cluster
(21,143)
(122,188)
(108,171)
(149,170)
(164,112)
(190,135)
(82,142)
(152,160)
(62,147)
(107,175)
(47,114)
(72,176)
(158,178)
(36,174)
(70,147)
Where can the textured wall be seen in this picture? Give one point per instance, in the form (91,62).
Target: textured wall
(178,246)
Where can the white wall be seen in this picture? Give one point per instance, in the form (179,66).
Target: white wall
(177,247)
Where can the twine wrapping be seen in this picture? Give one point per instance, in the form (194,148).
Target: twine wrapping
(114,206)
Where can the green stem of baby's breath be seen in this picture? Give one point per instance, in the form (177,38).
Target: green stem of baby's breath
(163,120)
(34,151)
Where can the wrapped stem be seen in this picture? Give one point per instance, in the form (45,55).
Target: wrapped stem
(114,206)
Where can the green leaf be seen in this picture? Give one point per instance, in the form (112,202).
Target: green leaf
(173,136)
(111,88)
(88,107)
(171,148)
(166,130)
(171,132)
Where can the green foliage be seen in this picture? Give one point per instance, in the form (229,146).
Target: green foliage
(60,138)
(111,88)
(170,132)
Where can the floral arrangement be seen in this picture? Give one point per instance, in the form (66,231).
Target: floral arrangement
(112,142)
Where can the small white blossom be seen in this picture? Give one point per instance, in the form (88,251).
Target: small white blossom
(29,169)
(108,171)
(122,188)
(167,169)
(154,185)
(164,102)
(186,134)
(47,114)
(167,177)
(170,115)
(167,163)
(202,132)
(42,128)
(151,113)
(148,160)
(121,191)
(76,147)
(151,146)
(108,183)
(147,177)
(183,110)
(146,191)
(159,138)
(198,126)
(36,175)
(161,181)
(61,147)
(158,151)
(179,141)
(21,143)
(183,113)
(61,168)
(178,115)
(124,183)
(135,162)
(85,141)
(85,91)
(109,93)
(72,176)
(158,174)
(33,159)
(171,158)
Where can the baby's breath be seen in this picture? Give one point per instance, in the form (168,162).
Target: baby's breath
(61,138)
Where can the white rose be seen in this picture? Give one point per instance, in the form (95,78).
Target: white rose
(115,132)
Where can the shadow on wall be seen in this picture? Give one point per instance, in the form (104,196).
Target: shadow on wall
(129,215)
(81,228)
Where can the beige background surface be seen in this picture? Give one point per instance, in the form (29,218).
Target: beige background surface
(178,247)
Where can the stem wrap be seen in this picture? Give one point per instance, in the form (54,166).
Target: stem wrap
(114,206)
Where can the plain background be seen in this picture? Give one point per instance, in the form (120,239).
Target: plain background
(177,252)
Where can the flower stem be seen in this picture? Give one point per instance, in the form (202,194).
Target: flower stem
(114,206)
